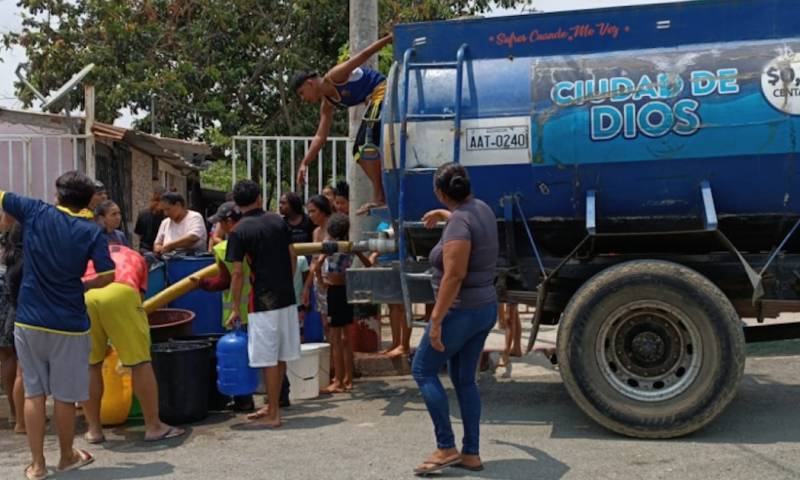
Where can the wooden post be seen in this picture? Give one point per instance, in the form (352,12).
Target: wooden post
(91,166)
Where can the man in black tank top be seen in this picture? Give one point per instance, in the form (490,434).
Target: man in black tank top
(345,85)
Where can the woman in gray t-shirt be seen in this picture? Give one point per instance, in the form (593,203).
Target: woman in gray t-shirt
(464,263)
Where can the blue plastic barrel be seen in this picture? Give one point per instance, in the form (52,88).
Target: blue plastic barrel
(156,279)
(207,306)
(234,375)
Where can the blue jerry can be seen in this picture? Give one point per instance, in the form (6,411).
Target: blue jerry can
(234,375)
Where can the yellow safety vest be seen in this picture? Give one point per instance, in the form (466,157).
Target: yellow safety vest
(227,296)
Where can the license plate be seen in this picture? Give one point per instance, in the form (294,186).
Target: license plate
(498,138)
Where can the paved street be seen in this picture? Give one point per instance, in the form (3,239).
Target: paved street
(531,430)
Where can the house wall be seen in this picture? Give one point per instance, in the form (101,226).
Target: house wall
(142,184)
(171,178)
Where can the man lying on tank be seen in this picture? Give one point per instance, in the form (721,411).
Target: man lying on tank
(116,316)
(346,85)
(183,230)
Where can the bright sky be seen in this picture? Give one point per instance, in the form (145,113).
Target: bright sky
(11,21)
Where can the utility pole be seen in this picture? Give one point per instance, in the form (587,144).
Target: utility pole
(363,31)
(152,114)
(91,166)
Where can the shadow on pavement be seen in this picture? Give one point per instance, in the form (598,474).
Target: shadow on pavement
(540,466)
(132,441)
(294,423)
(122,471)
(764,410)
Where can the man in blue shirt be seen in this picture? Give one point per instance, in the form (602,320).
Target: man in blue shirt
(51,329)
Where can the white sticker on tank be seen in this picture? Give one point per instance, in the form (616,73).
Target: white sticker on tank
(780,82)
(486,141)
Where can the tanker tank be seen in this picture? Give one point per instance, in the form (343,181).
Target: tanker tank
(640,106)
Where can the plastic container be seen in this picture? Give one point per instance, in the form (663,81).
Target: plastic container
(234,375)
(156,279)
(136,410)
(117,391)
(312,323)
(365,334)
(182,374)
(216,400)
(207,306)
(311,372)
(312,328)
(166,323)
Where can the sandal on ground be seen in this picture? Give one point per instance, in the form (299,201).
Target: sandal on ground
(30,475)
(260,413)
(172,432)
(84,458)
(365,209)
(94,441)
(471,468)
(430,466)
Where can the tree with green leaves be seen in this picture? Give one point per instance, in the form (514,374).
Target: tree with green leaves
(212,68)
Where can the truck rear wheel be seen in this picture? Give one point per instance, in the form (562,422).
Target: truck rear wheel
(651,349)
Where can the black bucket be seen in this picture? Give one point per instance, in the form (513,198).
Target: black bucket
(216,400)
(182,374)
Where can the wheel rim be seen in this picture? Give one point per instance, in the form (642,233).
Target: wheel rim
(649,351)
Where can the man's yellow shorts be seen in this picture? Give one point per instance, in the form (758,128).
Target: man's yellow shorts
(117,315)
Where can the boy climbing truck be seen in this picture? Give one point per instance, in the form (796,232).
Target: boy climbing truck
(346,85)
(641,164)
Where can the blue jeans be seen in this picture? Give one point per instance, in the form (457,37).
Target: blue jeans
(464,333)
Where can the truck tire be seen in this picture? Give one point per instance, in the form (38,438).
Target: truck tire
(651,349)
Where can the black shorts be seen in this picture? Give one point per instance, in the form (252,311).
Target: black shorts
(373,127)
(339,311)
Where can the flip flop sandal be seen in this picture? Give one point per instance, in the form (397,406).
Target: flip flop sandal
(85,459)
(365,209)
(94,441)
(256,415)
(436,466)
(172,432)
(477,468)
(31,476)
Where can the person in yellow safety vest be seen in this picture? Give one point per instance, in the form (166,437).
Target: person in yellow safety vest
(226,218)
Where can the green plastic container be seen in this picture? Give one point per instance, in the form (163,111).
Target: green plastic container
(136,410)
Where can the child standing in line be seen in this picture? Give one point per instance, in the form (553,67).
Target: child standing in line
(508,320)
(340,313)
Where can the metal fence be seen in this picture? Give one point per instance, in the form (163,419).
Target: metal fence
(274,161)
(30,163)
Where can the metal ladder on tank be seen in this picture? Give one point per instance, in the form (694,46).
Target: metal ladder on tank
(408,66)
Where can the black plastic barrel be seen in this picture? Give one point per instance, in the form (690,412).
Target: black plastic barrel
(216,400)
(182,375)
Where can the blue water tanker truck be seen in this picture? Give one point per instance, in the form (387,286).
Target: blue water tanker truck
(643,165)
